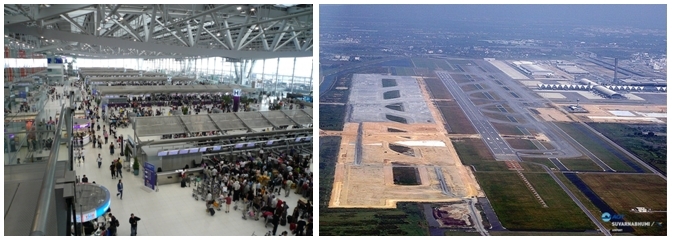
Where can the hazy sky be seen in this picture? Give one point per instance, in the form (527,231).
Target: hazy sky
(638,16)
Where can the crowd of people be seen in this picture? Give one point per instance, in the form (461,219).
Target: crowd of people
(258,184)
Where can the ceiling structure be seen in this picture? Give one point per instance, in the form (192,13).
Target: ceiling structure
(233,31)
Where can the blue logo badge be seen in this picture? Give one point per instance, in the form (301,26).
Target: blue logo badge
(606,217)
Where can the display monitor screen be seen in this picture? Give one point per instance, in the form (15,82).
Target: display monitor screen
(298,139)
(172,152)
(203,149)
(194,150)
(184,151)
(238,146)
(271,142)
(162,153)
(251,144)
(216,148)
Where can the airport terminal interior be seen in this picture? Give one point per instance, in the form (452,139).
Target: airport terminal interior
(200,114)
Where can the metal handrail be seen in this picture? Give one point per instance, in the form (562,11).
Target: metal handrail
(47,191)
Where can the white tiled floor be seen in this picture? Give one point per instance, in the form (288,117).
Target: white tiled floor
(172,210)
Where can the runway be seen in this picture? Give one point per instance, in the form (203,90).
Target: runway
(491,137)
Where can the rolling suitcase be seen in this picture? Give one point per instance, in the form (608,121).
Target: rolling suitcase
(283,221)
(182,183)
(212,211)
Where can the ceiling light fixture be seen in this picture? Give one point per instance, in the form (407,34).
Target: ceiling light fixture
(238,8)
(252,9)
(218,34)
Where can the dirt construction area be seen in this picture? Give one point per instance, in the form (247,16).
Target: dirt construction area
(368,152)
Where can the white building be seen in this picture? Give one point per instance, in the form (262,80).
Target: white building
(535,70)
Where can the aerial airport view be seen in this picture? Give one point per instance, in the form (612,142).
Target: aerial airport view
(493,120)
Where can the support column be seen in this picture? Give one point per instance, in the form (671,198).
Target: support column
(292,78)
(278,63)
(262,79)
(311,76)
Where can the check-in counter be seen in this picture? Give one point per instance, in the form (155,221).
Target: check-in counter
(169,177)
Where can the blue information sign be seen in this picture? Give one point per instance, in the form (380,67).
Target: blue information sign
(150,175)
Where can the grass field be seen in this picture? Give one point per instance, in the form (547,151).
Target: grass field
(472,149)
(583,199)
(518,209)
(543,161)
(547,145)
(328,152)
(331,117)
(506,129)
(582,136)
(455,118)
(406,219)
(403,71)
(528,167)
(651,149)
(431,64)
(521,144)
(623,192)
(580,164)
(437,89)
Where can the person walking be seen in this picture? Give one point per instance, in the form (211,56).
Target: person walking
(120,189)
(112,170)
(112,149)
(105,135)
(119,167)
(133,220)
(99,160)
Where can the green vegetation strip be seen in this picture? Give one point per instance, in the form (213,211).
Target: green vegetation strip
(649,147)
(582,136)
(518,209)
(406,219)
(580,164)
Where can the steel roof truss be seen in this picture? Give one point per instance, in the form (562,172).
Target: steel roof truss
(73,22)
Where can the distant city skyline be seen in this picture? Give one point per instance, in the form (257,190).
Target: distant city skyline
(647,16)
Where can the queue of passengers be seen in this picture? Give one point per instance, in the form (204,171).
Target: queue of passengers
(256,181)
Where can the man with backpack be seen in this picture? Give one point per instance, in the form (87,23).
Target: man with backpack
(114,223)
